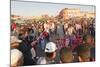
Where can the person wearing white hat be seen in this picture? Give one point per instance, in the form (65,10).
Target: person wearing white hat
(50,54)
(50,47)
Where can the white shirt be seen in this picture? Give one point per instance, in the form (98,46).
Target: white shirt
(70,30)
(43,60)
(66,26)
(46,27)
(78,26)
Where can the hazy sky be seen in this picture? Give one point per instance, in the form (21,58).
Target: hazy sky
(37,8)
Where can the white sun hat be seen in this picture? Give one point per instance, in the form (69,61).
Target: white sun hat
(14,39)
(50,47)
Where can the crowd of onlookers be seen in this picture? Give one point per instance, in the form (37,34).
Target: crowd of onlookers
(53,41)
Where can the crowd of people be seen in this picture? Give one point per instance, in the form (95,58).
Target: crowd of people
(53,41)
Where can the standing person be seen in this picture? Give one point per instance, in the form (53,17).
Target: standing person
(60,33)
(52,31)
(25,47)
(78,28)
(91,30)
(13,26)
(50,54)
(66,28)
(60,29)
(52,26)
(16,31)
(43,40)
(71,30)
(46,27)
(71,34)
(67,40)
(85,25)
(34,33)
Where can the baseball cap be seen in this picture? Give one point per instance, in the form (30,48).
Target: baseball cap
(50,47)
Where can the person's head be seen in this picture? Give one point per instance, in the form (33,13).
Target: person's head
(89,39)
(17,58)
(66,55)
(83,53)
(50,50)
(70,25)
(15,42)
(25,32)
